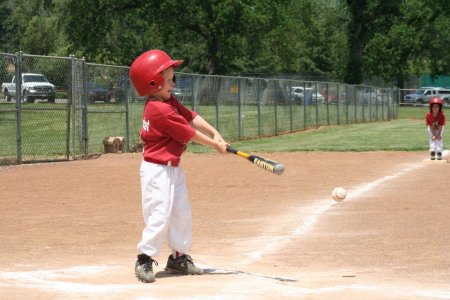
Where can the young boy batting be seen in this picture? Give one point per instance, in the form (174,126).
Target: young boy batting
(167,127)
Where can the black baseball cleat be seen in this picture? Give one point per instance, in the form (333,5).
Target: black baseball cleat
(144,268)
(432,155)
(183,265)
(439,156)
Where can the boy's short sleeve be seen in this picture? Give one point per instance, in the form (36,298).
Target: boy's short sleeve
(428,119)
(182,110)
(167,121)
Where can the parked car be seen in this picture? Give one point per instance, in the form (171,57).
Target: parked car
(96,92)
(406,93)
(370,94)
(412,98)
(423,96)
(299,96)
(122,89)
(332,96)
(277,96)
(33,86)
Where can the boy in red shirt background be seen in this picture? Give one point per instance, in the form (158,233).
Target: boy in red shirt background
(435,120)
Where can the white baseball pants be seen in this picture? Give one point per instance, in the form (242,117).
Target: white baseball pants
(166,209)
(436,146)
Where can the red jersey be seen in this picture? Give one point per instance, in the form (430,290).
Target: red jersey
(166,130)
(437,121)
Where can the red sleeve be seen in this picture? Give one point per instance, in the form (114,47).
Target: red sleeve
(442,120)
(429,119)
(182,110)
(165,119)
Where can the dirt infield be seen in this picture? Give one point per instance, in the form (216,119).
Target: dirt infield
(69,230)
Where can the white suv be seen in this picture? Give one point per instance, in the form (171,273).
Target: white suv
(297,95)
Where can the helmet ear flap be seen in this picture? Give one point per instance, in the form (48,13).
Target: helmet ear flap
(152,83)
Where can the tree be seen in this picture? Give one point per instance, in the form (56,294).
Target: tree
(367,17)
(228,33)
(351,39)
(416,43)
(433,25)
(9,33)
(108,31)
(30,26)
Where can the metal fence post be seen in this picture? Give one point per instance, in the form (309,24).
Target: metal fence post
(216,84)
(70,97)
(364,120)
(317,109)
(240,131)
(328,105)
(258,95)
(275,107)
(347,103)
(338,97)
(291,117)
(192,90)
(370,107)
(69,106)
(396,103)
(84,101)
(127,124)
(18,74)
(304,104)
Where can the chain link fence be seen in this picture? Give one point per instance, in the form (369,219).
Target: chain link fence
(65,106)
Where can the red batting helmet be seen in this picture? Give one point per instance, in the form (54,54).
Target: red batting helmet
(145,71)
(436,100)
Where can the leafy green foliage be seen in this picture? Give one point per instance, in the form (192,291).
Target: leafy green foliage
(350,39)
(420,30)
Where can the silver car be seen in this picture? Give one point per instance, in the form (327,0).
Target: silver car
(423,96)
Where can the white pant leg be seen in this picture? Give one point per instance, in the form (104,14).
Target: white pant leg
(180,227)
(436,146)
(165,209)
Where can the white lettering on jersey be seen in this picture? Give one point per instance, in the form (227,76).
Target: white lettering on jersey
(146,125)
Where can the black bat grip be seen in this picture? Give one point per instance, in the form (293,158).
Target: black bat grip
(232,150)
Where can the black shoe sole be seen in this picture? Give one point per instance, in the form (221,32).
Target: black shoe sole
(173,271)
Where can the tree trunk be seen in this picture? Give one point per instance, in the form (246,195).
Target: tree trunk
(214,66)
(356,31)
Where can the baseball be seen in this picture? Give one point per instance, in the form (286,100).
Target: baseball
(279,169)
(338,194)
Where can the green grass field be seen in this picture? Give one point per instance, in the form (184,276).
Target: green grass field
(409,112)
(397,135)
(44,132)
(408,133)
